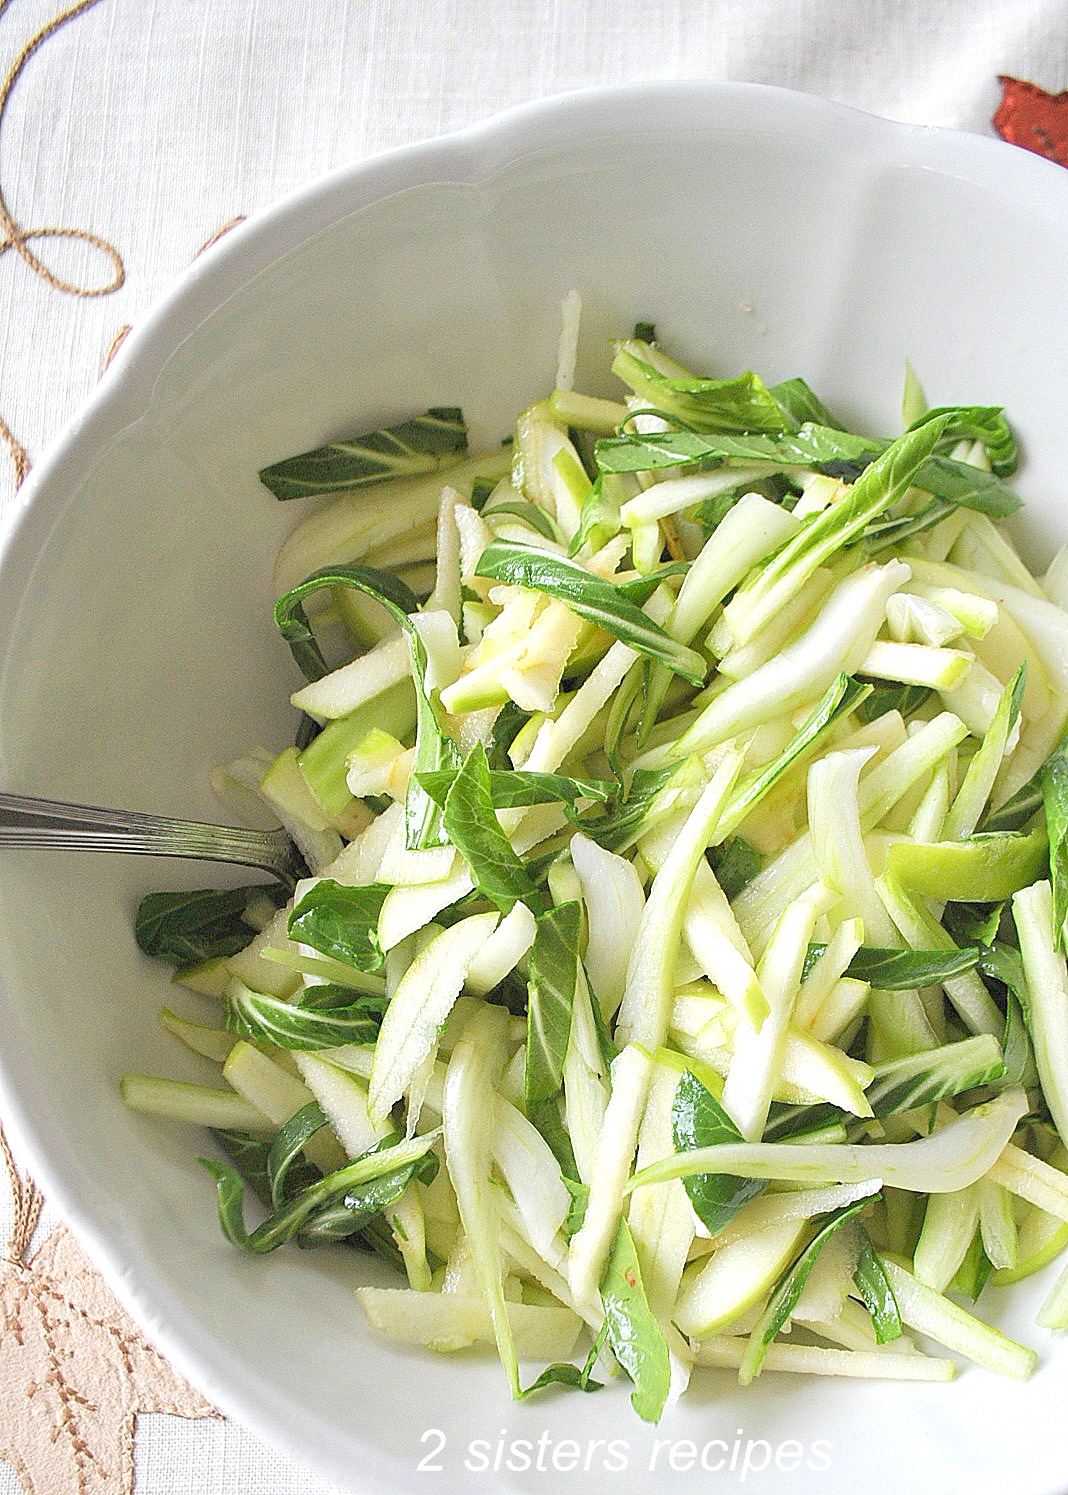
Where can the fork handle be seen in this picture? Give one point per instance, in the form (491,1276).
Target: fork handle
(27,822)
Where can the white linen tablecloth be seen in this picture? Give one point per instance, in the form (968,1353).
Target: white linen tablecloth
(151,123)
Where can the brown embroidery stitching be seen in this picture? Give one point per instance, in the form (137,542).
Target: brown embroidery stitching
(74,1371)
(18,454)
(18,238)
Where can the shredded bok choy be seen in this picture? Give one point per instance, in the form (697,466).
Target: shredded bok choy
(681,961)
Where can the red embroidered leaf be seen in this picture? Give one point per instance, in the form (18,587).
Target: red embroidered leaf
(1033,118)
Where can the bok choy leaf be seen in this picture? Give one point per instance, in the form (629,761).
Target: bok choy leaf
(186,928)
(698,1120)
(786,1292)
(592,598)
(473,828)
(342,922)
(554,972)
(420,445)
(434,749)
(323,1017)
(635,1337)
(877,1294)
(352,1194)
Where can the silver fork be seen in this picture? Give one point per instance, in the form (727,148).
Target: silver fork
(27,822)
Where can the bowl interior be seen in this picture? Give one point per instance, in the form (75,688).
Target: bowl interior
(758,230)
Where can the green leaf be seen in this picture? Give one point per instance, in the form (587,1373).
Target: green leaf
(520,788)
(967,487)
(802,404)
(1020,1067)
(974,923)
(342,922)
(739,404)
(592,598)
(634,1335)
(905,1084)
(621,825)
(314,1022)
(481,488)
(640,588)
(599,519)
(808,447)
(360,1205)
(735,864)
(893,697)
(337,1204)
(473,828)
(507,725)
(785,1294)
(571,1375)
(1016,813)
(698,1120)
(187,928)
(879,487)
(1002,963)
(901,970)
(886,534)
(878,1296)
(562,1374)
(249,1156)
(434,749)
(580,1198)
(292,621)
(985,423)
(921,1079)
(974,1271)
(839,702)
(547,1117)
(554,967)
(288,1144)
(420,445)
(953,483)
(1055,803)
(529,513)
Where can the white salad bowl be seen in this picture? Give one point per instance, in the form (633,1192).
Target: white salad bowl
(758,229)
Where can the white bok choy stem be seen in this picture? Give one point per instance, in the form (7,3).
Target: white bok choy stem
(748,532)
(585,1081)
(642,1027)
(728,1352)
(711,931)
(758,1054)
(929,1313)
(759,904)
(503,951)
(614,899)
(838,639)
(423,1000)
(646,1005)
(951,1158)
(661,1220)
(1047,986)
(527,1165)
(744,536)
(1043,623)
(838,840)
(468,1121)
